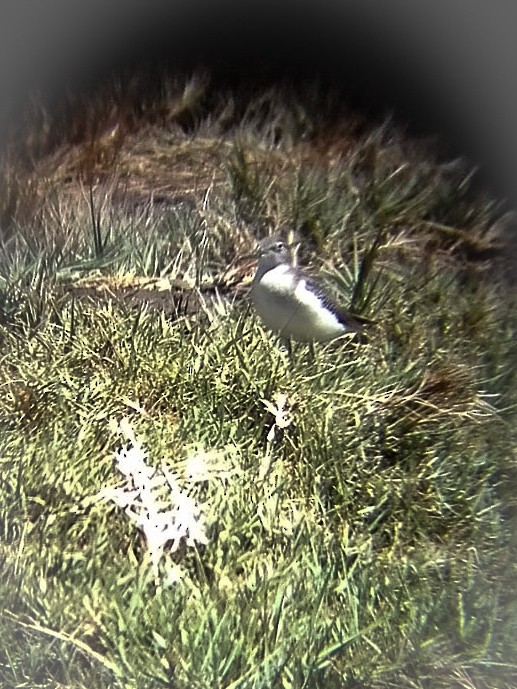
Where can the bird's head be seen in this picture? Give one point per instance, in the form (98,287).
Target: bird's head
(273,251)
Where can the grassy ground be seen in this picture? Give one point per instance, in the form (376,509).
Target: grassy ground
(355,508)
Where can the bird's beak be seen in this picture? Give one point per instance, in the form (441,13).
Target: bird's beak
(255,255)
(246,257)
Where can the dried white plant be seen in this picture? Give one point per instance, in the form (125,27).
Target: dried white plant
(279,408)
(281,413)
(155,499)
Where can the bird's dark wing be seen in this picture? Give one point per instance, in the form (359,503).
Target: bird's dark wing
(353,322)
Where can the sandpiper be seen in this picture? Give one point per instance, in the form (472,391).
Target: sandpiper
(291,303)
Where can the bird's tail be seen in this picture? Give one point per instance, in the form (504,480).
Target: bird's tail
(360,327)
(358,323)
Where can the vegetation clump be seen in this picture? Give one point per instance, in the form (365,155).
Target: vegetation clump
(183,504)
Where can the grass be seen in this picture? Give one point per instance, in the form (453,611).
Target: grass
(358,503)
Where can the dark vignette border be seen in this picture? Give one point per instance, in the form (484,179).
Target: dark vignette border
(446,68)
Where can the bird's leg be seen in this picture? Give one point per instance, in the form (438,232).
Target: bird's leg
(286,347)
(290,349)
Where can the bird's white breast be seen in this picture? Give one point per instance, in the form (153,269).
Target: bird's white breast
(287,304)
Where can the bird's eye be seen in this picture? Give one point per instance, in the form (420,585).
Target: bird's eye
(279,246)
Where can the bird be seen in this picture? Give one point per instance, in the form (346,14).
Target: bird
(292,303)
